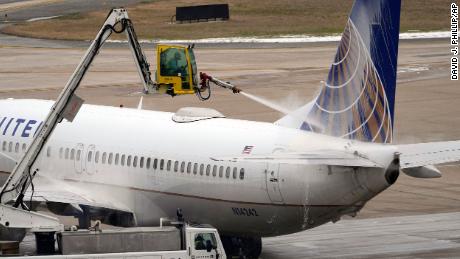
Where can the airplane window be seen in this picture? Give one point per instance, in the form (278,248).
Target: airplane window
(78,155)
(48,151)
(135,161)
(122,161)
(110,158)
(182,167)
(189,167)
(141,162)
(4,146)
(10,147)
(242,173)
(66,153)
(117,157)
(90,154)
(176,166)
(227,172)
(162,164)
(208,170)
(235,172)
(214,171)
(195,168)
(201,169)
(155,163)
(16,147)
(128,161)
(169,165)
(61,150)
(96,157)
(147,165)
(24,147)
(104,157)
(221,171)
(72,154)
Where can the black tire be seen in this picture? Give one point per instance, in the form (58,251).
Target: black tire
(242,247)
(253,248)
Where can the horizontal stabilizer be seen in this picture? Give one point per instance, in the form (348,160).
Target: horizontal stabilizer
(424,154)
(320,157)
(428,171)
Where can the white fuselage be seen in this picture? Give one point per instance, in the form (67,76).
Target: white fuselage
(110,152)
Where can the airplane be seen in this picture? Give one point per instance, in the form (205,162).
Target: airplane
(133,167)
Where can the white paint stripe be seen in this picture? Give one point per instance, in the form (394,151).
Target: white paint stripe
(292,38)
(25,4)
(43,18)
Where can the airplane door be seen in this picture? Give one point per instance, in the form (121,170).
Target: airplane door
(79,158)
(89,159)
(272,181)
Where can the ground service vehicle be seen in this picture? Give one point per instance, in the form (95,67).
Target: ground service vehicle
(176,69)
(177,73)
(147,242)
(166,241)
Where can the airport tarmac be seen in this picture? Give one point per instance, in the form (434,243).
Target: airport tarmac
(408,237)
(427,109)
(22,10)
(405,237)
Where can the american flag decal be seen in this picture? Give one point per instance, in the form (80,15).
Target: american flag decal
(247,149)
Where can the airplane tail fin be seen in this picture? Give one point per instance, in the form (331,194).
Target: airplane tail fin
(357,99)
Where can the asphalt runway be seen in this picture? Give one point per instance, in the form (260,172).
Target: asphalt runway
(404,237)
(18,11)
(427,109)
(407,237)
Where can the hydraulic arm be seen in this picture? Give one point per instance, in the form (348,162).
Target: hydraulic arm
(68,104)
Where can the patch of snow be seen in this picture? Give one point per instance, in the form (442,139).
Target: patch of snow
(290,38)
(412,69)
(43,18)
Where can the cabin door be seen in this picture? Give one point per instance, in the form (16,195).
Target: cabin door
(272,181)
(89,159)
(79,158)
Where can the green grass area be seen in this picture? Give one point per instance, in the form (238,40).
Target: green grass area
(247,18)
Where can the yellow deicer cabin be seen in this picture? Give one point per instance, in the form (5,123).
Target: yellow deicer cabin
(176,69)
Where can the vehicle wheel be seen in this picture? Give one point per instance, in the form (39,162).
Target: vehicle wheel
(253,247)
(242,247)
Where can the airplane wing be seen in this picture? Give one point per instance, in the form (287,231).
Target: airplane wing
(55,190)
(425,154)
(63,198)
(317,157)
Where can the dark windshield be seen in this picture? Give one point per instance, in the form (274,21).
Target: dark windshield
(173,62)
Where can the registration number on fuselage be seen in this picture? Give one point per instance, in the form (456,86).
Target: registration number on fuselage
(248,212)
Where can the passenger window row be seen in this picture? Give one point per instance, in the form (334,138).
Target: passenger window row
(13,147)
(147,163)
(208,170)
(67,153)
